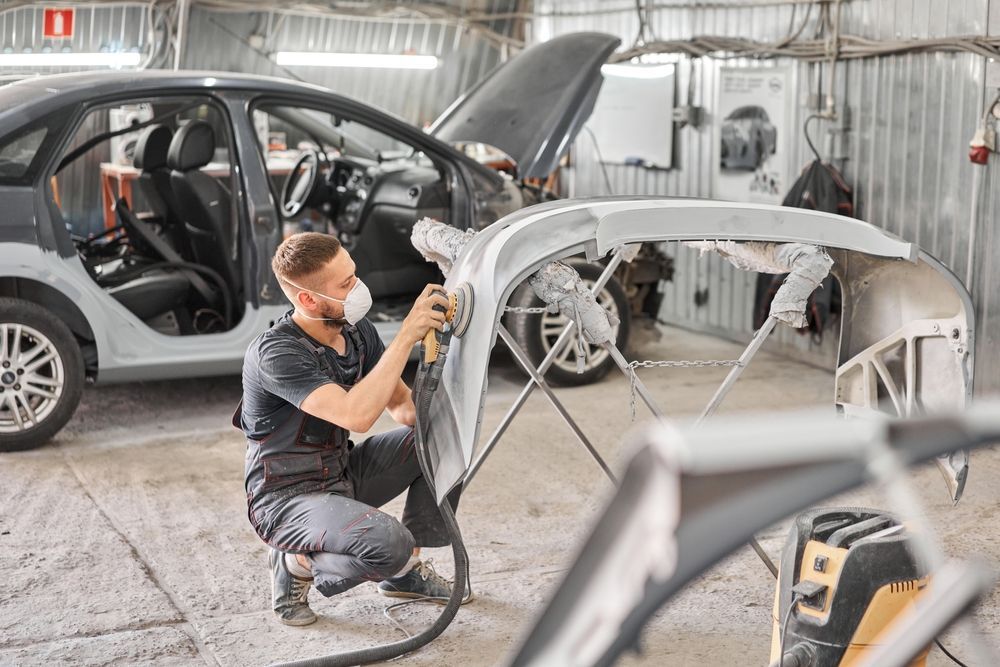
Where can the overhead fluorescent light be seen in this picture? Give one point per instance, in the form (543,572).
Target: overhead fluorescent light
(637,71)
(70,59)
(383,60)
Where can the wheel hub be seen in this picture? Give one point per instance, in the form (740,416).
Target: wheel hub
(32,377)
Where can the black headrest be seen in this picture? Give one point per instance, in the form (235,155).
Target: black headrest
(193,146)
(151,148)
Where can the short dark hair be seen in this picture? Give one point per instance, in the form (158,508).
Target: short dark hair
(303,254)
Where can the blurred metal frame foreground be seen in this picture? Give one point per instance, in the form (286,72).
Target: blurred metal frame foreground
(688,499)
(907,323)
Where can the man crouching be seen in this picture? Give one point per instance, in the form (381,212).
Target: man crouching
(319,373)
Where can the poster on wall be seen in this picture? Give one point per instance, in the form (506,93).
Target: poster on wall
(752,134)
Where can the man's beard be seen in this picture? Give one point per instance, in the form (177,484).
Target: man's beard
(332,320)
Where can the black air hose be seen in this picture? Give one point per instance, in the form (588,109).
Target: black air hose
(424,386)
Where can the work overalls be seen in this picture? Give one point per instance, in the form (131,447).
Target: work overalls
(310,490)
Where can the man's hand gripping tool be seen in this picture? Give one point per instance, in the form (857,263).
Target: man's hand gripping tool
(457,315)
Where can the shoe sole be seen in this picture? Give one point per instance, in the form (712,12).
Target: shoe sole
(297,622)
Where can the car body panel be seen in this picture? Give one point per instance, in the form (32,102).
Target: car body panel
(500,257)
(533,106)
(127,348)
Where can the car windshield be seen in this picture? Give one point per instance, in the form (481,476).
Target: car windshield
(291,126)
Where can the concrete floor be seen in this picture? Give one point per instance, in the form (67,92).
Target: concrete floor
(126,541)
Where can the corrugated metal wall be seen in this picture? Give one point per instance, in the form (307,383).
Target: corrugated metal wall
(906,148)
(97,27)
(214,42)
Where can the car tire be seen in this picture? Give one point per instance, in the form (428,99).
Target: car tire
(537,332)
(54,373)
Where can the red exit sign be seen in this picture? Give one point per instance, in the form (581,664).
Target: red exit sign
(58,22)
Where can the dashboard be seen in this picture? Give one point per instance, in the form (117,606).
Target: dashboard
(361,189)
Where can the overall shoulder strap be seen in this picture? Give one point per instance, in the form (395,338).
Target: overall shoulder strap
(359,345)
(318,352)
(237,416)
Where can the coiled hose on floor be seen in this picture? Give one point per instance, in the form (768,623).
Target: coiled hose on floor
(428,377)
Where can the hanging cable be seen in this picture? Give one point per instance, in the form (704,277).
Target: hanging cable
(850,47)
(805,131)
(600,159)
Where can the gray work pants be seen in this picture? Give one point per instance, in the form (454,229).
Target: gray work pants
(347,539)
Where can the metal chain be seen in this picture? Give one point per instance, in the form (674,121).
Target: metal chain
(527,311)
(683,364)
(633,377)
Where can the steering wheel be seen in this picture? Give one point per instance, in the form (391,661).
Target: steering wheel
(300,184)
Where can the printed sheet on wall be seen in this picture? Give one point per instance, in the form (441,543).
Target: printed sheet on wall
(752,122)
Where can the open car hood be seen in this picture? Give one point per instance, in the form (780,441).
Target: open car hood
(533,106)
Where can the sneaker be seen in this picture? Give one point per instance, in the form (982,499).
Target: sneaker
(422,582)
(289,593)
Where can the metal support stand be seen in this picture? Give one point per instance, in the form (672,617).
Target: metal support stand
(538,380)
(549,359)
(720,393)
(734,375)
(183,11)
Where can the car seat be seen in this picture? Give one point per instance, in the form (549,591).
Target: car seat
(203,204)
(154,182)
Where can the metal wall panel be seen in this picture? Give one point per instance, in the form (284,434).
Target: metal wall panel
(97,27)
(904,151)
(215,41)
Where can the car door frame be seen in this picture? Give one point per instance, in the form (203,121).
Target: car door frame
(42,183)
(462,173)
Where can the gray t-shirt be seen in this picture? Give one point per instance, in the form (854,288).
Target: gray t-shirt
(279,372)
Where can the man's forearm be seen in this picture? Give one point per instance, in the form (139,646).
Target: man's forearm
(404,412)
(369,398)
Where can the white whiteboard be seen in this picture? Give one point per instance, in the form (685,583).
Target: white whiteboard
(633,117)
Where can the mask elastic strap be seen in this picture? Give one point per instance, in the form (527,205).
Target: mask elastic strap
(306,289)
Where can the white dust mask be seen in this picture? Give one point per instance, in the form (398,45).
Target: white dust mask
(356,304)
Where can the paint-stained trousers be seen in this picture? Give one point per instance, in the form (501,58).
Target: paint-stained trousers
(348,540)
